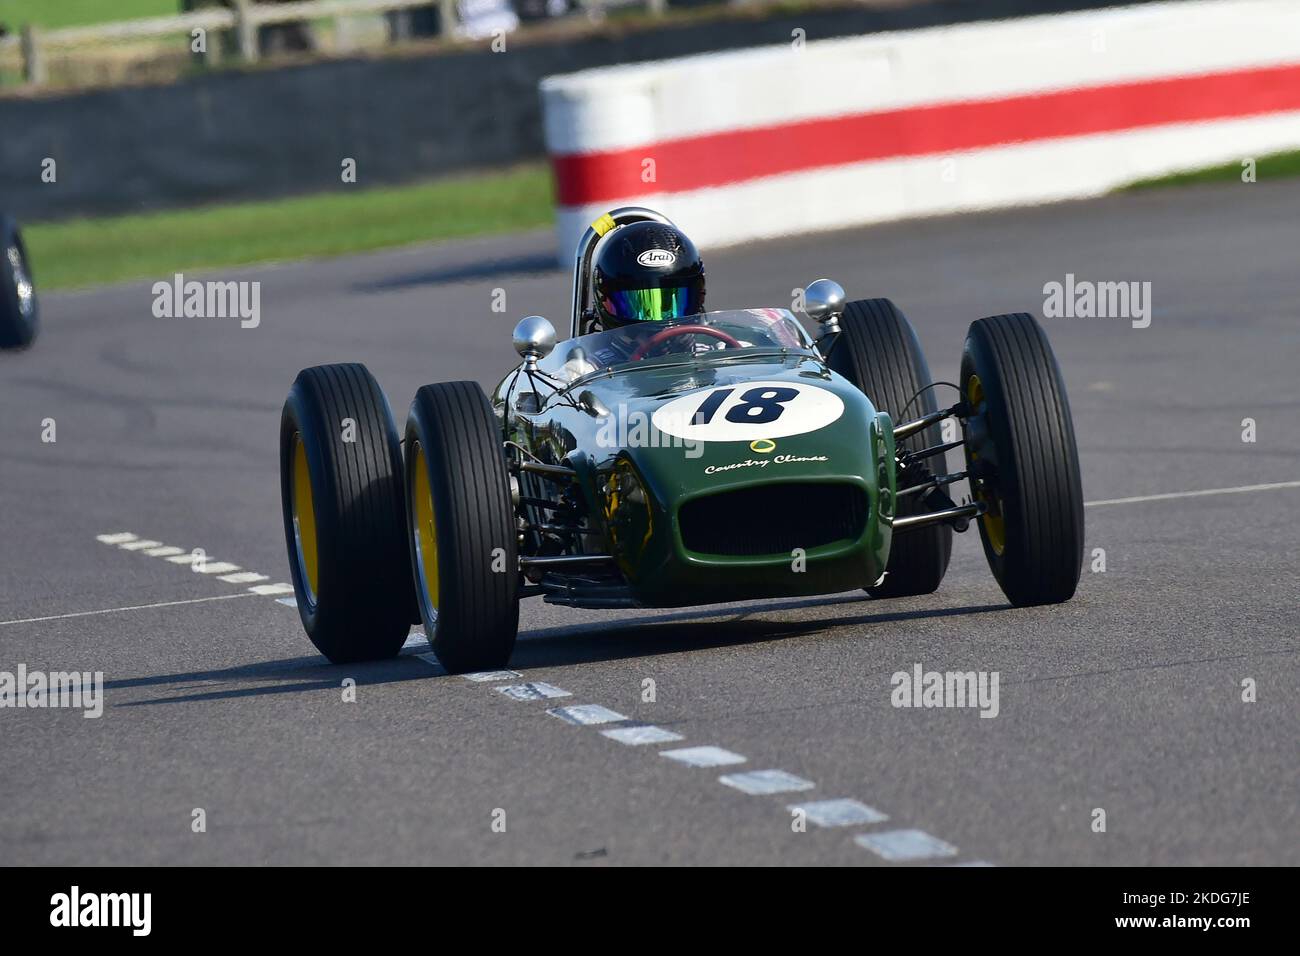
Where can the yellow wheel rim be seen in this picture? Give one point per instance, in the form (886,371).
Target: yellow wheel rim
(995,526)
(426,530)
(304,519)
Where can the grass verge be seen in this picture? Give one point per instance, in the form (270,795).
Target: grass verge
(1274,166)
(83,252)
(51,14)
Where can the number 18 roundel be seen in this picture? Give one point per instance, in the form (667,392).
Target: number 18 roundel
(749,411)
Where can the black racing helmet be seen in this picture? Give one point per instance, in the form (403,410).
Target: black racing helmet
(646,272)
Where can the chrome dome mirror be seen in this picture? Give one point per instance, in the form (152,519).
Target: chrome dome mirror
(533,339)
(824,303)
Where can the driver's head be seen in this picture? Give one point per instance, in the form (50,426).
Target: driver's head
(646,272)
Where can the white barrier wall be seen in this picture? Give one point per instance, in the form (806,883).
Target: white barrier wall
(779,140)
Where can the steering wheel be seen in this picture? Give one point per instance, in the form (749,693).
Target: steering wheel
(659,338)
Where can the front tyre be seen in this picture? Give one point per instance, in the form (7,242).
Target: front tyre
(464,540)
(344,519)
(1021,454)
(877,350)
(19,312)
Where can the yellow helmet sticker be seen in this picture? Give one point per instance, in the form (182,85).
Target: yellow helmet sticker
(604,224)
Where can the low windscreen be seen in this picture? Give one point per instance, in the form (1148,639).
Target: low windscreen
(702,336)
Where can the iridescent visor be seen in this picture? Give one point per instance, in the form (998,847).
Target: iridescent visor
(652,305)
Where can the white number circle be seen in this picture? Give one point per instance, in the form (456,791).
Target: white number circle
(748,411)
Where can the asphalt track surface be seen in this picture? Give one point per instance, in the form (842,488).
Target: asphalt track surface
(1128,699)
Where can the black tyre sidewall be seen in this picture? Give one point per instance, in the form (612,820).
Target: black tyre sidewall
(16,332)
(478,607)
(364,595)
(1043,554)
(878,351)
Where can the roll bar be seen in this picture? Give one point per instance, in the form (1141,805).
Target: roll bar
(587,244)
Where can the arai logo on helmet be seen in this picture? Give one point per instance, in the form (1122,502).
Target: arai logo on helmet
(656,257)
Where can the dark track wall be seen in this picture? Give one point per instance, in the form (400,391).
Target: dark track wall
(246,134)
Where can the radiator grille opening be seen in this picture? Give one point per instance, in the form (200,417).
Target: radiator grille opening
(773,519)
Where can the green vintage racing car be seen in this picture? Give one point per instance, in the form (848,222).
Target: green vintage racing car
(690,458)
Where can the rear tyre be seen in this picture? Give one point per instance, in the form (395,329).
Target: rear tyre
(1021,454)
(464,540)
(344,518)
(877,350)
(19,311)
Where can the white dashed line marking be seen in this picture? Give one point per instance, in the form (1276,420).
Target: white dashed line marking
(217,567)
(287,602)
(413,640)
(759,782)
(483,677)
(225,571)
(115,538)
(638,736)
(166,551)
(895,845)
(269,589)
(533,691)
(703,756)
(586,715)
(1239,490)
(839,813)
(243,577)
(118,610)
(892,845)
